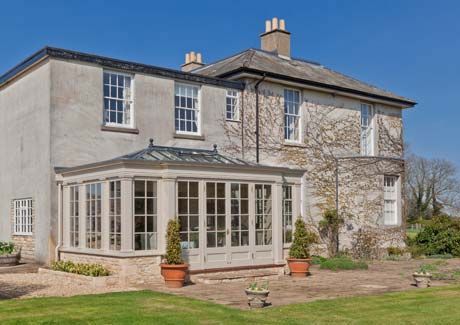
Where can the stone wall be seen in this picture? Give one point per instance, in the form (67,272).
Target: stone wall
(330,127)
(25,242)
(130,270)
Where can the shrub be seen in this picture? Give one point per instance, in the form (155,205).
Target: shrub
(440,236)
(343,263)
(173,247)
(395,251)
(80,268)
(303,238)
(317,260)
(329,229)
(365,244)
(6,248)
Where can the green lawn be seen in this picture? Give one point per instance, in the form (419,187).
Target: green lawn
(427,306)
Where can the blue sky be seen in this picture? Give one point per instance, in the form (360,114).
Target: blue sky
(409,47)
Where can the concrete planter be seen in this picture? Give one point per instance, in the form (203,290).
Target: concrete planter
(422,280)
(95,282)
(257,299)
(10,259)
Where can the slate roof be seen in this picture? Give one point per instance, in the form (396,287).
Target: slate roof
(260,62)
(175,154)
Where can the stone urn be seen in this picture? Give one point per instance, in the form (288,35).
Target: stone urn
(422,280)
(10,259)
(257,298)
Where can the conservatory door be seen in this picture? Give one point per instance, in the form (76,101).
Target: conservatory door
(227,225)
(263,248)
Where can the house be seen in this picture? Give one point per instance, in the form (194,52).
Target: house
(99,153)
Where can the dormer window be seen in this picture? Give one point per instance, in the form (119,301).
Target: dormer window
(118,103)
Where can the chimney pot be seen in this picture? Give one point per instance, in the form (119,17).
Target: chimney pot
(192,56)
(268,26)
(276,38)
(282,24)
(198,57)
(274,23)
(187,58)
(193,61)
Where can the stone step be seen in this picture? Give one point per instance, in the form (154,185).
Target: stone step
(237,276)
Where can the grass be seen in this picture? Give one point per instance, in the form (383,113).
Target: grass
(342,263)
(425,306)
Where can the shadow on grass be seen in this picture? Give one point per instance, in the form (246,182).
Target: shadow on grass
(8,291)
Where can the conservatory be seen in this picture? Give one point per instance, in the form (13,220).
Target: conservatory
(232,213)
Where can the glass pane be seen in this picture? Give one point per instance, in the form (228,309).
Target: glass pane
(221,206)
(235,238)
(244,222)
(139,188)
(221,239)
(184,240)
(211,239)
(210,223)
(193,189)
(193,206)
(150,224)
(211,206)
(210,190)
(183,223)
(220,222)
(220,190)
(151,206)
(268,237)
(235,207)
(244,191)
(183,206)
(139,242)
(244,206)
(194,223)
(182,189)
(139,206)
(259,237)
(235,193)
(194,240)
(151,189)
(245,238)
(235,223)
(139,224)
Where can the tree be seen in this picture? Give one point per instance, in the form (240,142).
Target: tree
(432,188)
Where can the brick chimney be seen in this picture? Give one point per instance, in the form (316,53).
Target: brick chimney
(192,61)
(276,38)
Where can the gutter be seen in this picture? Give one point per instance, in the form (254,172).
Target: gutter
(256,87)
(403,102)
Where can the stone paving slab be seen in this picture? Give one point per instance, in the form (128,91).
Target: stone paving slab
(381,277)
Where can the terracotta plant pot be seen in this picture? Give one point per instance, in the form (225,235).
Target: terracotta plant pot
(299,266)
(174,275)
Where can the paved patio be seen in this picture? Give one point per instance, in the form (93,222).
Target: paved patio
(384,276)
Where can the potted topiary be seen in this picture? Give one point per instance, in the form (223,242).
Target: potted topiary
(9,254)
(422,277)
(257,295)
(299,253)
(173,268)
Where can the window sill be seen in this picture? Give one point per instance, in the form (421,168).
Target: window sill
(294,144)
(232,121)
(188,136)
(22,235)
(119,129)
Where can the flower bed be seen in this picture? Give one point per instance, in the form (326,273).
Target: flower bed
(94,270)
(95,282)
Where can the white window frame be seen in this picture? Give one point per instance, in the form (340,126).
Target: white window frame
(146,215)
(197,110)
(233,96)
(74,216)
(90,232)
(115,199)
(288,204)
(367,130)
(129,101)
(297,134)
(190,233)
(23,217)
(390,200)
(265,213)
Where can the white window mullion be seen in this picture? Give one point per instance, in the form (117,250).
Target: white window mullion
(23,218)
